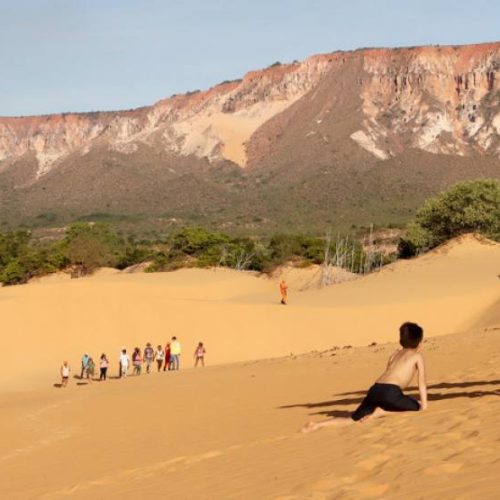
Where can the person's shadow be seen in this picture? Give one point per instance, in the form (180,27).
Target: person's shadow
(432,396)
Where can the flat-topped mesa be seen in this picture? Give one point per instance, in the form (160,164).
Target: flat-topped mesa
(439,99)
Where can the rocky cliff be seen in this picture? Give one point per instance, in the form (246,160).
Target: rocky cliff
(366,107)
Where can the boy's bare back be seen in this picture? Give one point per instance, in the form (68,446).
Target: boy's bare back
(401,367)
(386,395)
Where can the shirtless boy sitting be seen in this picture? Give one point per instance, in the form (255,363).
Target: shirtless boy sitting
(386,395)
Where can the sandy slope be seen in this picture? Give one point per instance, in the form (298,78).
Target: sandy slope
(236,314)
(229,431)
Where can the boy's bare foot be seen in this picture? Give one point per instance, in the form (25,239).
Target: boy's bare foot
(335,421)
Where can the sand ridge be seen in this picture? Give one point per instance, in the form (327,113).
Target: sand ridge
(231,431)
(237,315)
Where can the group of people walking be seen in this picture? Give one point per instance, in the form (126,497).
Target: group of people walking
(167,358)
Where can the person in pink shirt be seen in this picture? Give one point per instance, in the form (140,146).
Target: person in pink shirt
(137,361)
(199,354)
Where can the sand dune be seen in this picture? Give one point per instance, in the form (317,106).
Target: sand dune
(230,430)
(238,314)
(300,279)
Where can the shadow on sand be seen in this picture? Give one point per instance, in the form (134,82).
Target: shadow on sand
(432,396)
(442,385)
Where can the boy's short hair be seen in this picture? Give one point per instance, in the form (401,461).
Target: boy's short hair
(410,335)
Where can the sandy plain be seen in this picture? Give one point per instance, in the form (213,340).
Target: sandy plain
(229,430)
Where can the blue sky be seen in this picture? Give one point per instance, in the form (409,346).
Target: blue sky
(83,55)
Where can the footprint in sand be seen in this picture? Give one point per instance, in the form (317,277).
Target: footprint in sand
(324,488)
(472,434)
(446,468)
(374,461)
(452,436)
(373,490)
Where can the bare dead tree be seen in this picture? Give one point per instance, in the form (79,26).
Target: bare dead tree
(243,260)
(333,261)
(326,266)
(370,253)
(223,257)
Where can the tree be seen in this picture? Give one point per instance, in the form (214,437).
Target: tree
(196,240)
(89,246)
(14,273)
(12,245)
(472,206)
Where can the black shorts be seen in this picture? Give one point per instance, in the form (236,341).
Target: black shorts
(389,397)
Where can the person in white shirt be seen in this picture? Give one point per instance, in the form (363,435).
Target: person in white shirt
(159,356)
(124,363)
(65,371)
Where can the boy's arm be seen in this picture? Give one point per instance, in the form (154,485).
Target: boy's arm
(422,383)
(389,361)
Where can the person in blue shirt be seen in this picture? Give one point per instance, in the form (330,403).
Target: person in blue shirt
(85,362)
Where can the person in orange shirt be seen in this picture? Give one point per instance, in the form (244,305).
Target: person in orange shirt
(283,292)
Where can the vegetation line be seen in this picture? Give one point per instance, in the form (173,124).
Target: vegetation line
(472,206)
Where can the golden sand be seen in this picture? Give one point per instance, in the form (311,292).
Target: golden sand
(230,430)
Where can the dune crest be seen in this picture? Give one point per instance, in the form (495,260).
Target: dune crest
(238,314)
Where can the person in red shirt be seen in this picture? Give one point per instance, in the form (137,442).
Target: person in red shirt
(166,366)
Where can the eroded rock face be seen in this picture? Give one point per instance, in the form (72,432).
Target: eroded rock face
(213,124)
(443,100)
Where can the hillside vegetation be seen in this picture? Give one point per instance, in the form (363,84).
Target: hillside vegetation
(466,207)
(86,246)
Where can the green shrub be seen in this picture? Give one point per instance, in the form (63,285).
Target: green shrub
(415,240)
(13,244)
(21,259)
(89,246)
(194,240)
(134,254)
(284,247)
(14,273)
(472,206)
